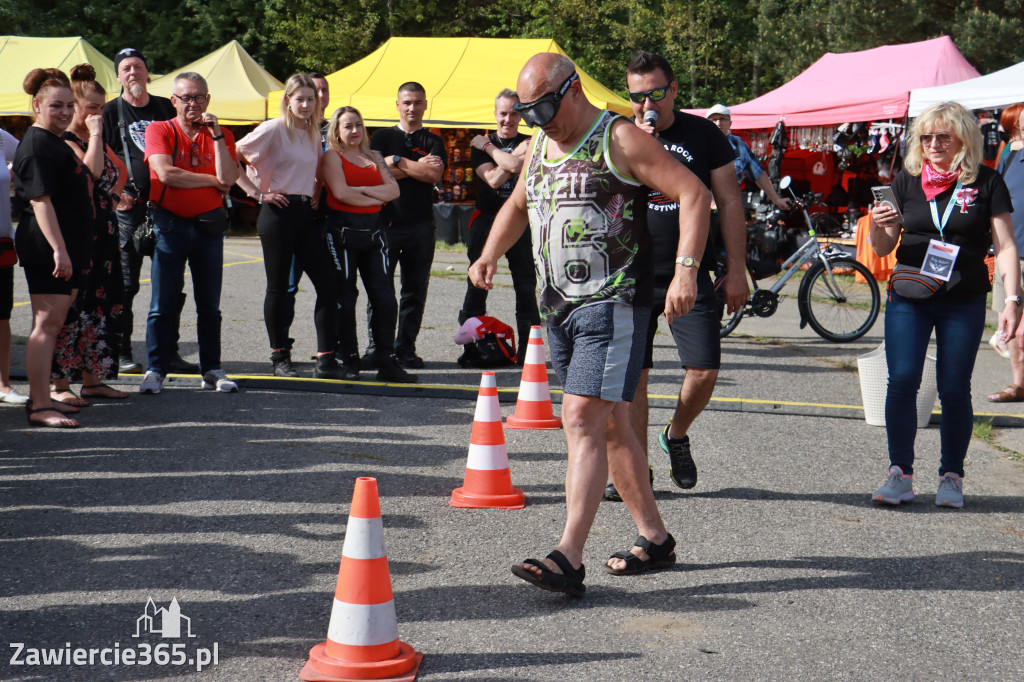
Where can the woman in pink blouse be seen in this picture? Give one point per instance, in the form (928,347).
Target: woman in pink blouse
(282,156)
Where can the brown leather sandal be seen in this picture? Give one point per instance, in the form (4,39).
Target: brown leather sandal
(1011,394)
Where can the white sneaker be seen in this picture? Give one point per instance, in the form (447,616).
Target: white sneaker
(12,397)
(152,383)
(216,379)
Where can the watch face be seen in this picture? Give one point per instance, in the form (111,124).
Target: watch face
(395,159)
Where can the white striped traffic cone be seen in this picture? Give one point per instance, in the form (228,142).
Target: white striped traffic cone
(533,408)
(362,638)
(488,482)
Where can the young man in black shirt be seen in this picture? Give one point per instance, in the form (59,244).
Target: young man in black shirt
(136,108)
(697,143)
(497,160)
(416,158)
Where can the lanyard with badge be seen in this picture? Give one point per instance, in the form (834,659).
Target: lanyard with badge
(941,256)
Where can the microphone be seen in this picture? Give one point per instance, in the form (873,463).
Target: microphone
(651,116)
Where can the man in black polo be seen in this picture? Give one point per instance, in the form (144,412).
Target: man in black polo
(136,109)
(693,142)
(416,158)
(497,160)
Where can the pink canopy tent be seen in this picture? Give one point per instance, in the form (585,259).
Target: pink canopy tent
(856,86)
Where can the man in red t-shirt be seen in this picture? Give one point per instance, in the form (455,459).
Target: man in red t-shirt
(192,165)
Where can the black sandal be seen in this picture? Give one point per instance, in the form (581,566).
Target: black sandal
(658,556)
(569,581)
(102,395)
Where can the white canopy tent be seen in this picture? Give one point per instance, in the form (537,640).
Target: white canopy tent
(984,92)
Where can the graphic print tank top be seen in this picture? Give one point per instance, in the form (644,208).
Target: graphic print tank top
(589,228)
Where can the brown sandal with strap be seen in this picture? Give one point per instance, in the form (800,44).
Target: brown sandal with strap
(1011,394)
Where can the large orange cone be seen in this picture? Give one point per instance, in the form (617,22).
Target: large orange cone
(362,638)
(533,408)
(488,483)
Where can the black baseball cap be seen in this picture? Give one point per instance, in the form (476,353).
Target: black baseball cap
(125,54)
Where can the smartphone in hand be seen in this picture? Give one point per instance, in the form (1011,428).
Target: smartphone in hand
(884,196)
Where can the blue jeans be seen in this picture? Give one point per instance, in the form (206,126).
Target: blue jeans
(958,325)
(178,242)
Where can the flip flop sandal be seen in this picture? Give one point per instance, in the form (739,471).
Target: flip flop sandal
(73,401)
(1011,394)
(658,556)
(103,396)
(63,409)
(569,581)
(70,424)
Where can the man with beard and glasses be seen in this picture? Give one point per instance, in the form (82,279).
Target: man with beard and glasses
(125,119)
(192,166)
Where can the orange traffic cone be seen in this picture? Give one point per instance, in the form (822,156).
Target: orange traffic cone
(362,638)
(488,483)
(533,409)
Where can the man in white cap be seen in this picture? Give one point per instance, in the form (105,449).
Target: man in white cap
(747,167)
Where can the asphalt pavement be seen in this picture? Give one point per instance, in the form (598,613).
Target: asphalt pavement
(235,506)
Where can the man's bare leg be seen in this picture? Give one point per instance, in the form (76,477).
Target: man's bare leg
(628,465)
(694,395)
(585,420)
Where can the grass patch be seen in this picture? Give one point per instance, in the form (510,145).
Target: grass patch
(843,365)
(984,431)
(458,247)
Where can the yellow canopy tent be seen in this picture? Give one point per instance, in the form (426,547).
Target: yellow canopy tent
(461,76)
(19,55)
(238,85)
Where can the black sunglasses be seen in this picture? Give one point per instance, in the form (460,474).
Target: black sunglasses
(656,95)
(543,110)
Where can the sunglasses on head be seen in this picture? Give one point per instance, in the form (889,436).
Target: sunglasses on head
(543,110)
(655,95)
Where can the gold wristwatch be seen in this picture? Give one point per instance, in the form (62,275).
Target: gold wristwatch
(688,262)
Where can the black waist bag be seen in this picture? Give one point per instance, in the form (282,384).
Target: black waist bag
(911,283)
(214,223)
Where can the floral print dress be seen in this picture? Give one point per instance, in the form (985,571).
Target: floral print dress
(90,340)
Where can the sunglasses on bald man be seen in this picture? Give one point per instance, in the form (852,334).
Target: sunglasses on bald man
(543,110)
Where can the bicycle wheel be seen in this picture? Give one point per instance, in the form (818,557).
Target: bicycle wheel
(837,306)
(729,323)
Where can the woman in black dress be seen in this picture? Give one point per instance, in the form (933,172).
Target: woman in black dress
(54,194)
(87,347)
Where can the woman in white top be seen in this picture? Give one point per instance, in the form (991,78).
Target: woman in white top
(8,146)
(282,156)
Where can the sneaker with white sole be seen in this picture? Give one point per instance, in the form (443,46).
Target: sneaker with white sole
(217,380)
(951,491)
(898,488)
(152,383)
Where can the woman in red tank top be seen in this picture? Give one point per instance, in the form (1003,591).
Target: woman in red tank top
(358,184)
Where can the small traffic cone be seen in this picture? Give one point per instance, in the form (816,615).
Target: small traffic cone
(488,482)
(533,408)
(362,638)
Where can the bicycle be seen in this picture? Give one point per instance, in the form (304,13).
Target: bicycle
(830,299)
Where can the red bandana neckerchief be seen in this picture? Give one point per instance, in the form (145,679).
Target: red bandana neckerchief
(935,182)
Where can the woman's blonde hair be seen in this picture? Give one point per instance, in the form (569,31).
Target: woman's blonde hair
(962,124)
(301,80)
(332,130)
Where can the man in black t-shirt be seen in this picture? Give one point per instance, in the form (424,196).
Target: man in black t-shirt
(416,158)
(137,108)
(698,144)
(497,160)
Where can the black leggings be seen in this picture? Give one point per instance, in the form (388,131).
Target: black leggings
(358,243)
(284,233)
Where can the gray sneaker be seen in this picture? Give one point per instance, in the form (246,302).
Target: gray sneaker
(898,488)
(951,491)
(152,383)
(217,380)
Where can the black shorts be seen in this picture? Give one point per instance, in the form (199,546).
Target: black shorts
(41,281)
(696,332)
(6,292)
